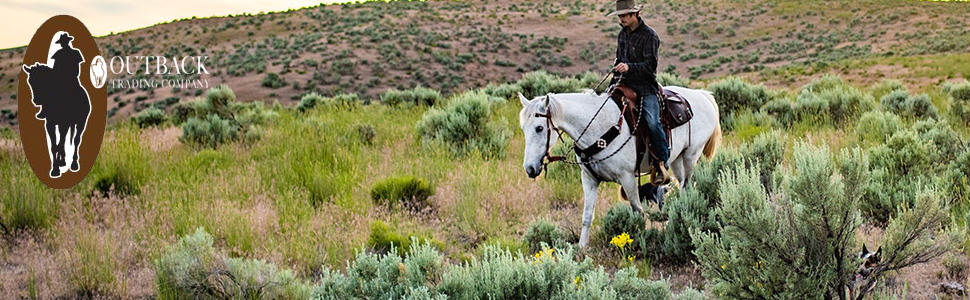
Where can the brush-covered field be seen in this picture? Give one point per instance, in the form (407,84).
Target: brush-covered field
(418,195)
(372,151)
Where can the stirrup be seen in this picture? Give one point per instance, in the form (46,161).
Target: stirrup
(660,175)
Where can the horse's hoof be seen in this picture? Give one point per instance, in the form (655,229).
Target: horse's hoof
(55,172)
(75,167)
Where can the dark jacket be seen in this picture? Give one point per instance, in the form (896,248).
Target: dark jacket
(638,49)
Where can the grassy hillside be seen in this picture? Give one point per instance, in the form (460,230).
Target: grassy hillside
(253,191)
(451,46)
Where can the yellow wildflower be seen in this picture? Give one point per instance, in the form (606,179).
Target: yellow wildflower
(723,266)
(621,240)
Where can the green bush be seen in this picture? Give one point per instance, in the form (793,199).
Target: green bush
(416,96)
(960,106)
(901,166)
(217,101)
(192,268)
(692,209)
(901,103)
(735,95)
(895,101)
(386,276)
(409,191)
(687,209)
(621,219)
(150,117)
(540,83)
(957,186)
(921,106)
(826,102)
(366,133)
(778,247)
(123,166)
(182,111)
(505,91)
(347,100)
(385,239)
(219,119)
(210,132)
(543,232)
(885,87)
(877,126)
(465,125)
(309,101)
(667,79)
(273,81)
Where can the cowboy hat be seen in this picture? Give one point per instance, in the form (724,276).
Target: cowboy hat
(625,7)
(64,38)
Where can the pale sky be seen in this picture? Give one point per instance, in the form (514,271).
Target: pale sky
(20,18)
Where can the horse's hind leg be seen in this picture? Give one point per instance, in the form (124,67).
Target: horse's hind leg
(78,132)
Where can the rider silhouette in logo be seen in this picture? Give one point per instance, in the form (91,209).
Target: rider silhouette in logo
(64,103)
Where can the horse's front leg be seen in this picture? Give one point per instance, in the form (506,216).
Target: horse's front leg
(590,186)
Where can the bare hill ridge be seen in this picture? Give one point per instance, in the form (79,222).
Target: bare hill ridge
(367,48)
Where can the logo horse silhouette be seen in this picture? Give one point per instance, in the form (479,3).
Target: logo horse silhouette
(65,104)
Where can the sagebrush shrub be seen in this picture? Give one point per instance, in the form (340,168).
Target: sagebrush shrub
(217,102)
(921,106)
(309,101)
(465,125)
(150,117)
(540,83)
(219,119)
(895,101)
(366,133)
(902,103)
(960,106)
(192,268)
(621,219)
(210,131)
(775,247)
(347,100)
(877,126)
(417,96)
(402,190)
(504,91)
(543,232)
(668,79)
(273,81)
(735,95)
(831,103)
(885,87)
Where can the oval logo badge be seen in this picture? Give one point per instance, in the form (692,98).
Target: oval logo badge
(63,103)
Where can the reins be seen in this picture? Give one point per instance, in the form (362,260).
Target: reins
(554,158)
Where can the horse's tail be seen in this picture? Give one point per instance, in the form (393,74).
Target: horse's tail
(711,147)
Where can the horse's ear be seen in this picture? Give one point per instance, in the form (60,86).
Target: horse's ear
(524,100)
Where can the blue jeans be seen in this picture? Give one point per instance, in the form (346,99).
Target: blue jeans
(651,114)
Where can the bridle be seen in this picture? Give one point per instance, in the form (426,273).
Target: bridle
(549,158)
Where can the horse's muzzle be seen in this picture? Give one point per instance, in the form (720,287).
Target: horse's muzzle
(533,171)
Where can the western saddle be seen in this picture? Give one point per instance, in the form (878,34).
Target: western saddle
(674,112)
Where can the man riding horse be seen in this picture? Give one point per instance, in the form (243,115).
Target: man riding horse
(636,60)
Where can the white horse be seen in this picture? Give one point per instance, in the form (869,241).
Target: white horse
(570,114)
